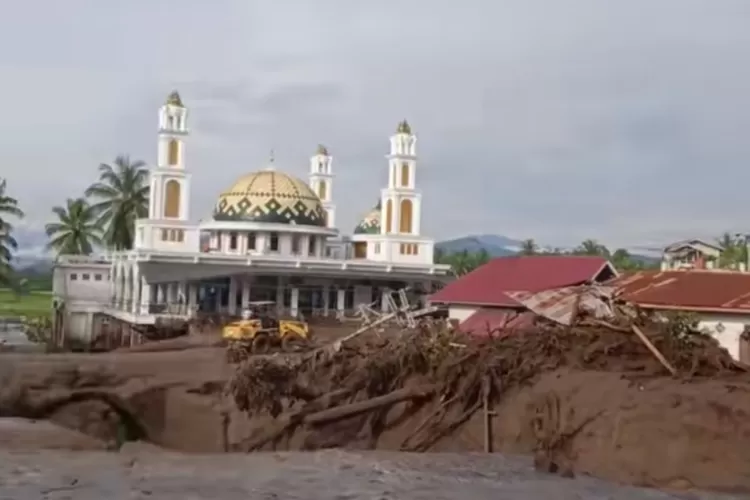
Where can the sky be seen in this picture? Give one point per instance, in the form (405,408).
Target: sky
(622,121)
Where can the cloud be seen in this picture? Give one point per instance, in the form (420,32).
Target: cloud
(564,120)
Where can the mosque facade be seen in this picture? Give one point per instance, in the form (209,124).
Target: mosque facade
(271,236)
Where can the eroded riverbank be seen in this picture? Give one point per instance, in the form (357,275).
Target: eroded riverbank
(636,426)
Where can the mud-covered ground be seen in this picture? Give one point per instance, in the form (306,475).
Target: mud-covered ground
(673,434)
(327,475)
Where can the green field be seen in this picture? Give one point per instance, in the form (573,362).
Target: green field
(32,304)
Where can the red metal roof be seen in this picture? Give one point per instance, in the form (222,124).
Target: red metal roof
(689,290)
(486,285)
(495,321)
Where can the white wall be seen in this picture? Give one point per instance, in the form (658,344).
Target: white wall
(220,242)
(82,283)
(149,235)
(460,313)
(726,328)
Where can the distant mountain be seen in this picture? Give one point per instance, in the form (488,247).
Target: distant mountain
(495,245)
(503,246)
(31,243)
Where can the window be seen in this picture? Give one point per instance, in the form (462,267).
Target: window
(273,243)
(180,235)
(311,245)
(217,245)
(251,241)
(164,235)
(97,277)
(295,244)
(85,277)
(408,249)
(233,240)
(73,276)
(405,175)
(377,248)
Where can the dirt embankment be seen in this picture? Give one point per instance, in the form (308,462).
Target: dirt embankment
(582,400)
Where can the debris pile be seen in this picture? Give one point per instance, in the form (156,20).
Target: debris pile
(444,377)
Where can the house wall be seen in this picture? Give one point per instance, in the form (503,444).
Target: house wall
(460,313)
(726,328)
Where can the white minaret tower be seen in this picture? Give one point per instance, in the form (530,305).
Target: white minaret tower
(170,183)
(321,182)
(400,201)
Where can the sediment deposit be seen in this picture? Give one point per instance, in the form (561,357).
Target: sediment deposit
(590,399)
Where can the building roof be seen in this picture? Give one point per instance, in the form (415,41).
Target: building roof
(270,196)
(488,284)
(688,290)
(370,224)
(488,321)
(691,244)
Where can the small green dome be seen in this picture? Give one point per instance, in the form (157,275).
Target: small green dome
(370,224)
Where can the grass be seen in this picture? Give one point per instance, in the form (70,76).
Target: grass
(36,303)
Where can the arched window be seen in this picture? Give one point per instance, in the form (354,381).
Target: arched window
(322,190)
(404,175)
(406,216)
(388,216)
(174,153)
(172,200)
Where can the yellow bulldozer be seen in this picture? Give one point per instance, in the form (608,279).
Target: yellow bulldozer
(260,330)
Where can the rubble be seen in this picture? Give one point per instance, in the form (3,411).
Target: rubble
(454,376)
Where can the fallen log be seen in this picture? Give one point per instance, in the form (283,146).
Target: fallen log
(359,407)
(657,354)
(287,421)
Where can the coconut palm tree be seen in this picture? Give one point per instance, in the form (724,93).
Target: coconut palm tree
(529,247)
(121,197)
(8,205)
(77,229)
(8,209)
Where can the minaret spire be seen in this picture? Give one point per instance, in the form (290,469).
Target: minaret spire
(400,201)
(170,182)
(321,181)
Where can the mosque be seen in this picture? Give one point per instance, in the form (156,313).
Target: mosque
(271,236)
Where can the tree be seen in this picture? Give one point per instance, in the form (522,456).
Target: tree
(8,209)
(529,247)
(463,262)
(734,251)
(77,229)
(122,197)
(593,248)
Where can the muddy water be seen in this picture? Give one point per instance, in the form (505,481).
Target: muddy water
(310,476)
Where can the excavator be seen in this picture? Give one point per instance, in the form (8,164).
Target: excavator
(260,330)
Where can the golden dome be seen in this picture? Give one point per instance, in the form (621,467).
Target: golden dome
(270,196)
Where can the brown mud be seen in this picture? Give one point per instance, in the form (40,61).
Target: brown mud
(582,400)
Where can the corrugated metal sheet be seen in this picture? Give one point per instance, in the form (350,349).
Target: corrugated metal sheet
(562,305)
(690,290)
(487,285)
(495,321)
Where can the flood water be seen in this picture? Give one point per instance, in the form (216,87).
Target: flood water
(328,475)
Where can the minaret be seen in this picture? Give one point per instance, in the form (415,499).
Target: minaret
(400,201)
(170,183)
(321,182)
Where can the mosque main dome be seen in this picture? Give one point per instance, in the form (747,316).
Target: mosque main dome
(270,196)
